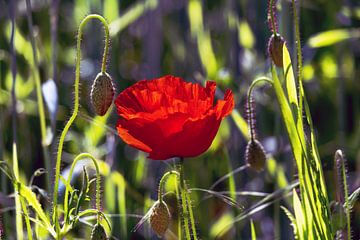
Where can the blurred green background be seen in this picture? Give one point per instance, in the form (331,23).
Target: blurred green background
(224,41)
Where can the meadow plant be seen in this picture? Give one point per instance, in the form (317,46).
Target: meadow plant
(169,118)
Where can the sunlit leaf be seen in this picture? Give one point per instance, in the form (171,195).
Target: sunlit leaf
(253,232)
(221,226)
(111,10)
(331,37)
(131,15)
(246,37)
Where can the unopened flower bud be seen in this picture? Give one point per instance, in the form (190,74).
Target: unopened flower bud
(160,218)
(275,49)
(255,155)
(98,232)
(102,93)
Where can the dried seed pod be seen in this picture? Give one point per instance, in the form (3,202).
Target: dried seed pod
(98,232)
(275,49)
(160,218)
(338,215)
(255,155)
(102,93)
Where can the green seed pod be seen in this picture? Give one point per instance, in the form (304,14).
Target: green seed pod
(275,49)
(102,93)
(255,155)
(338,216)
(98,232)
(160,218)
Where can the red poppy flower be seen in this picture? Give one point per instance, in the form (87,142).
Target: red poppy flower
(168,117)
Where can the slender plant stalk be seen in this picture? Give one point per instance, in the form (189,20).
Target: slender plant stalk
(249,96)
(98,179)
(339,158)
(188,215)
(162,182)
(76,106)
(272,16)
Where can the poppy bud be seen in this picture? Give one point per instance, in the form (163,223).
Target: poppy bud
(255,155)
(160,218)
(102,93)
(338,215)
(275,49)
(98,232)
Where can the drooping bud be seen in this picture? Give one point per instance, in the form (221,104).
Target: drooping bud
(338,215)
(160,218)
(102,93)
(255,155)
(98,232)
(275,49)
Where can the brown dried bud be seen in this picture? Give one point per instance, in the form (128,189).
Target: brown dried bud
(275,49)
(255,155)
(98,232)
(102,93)
(160,218)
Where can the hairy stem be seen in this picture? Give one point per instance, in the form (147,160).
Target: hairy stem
(76,106)
(162,182)
(249,96)
(272,16)
(98,179)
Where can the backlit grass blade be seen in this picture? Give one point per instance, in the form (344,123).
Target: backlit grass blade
(131,16)
(253,232)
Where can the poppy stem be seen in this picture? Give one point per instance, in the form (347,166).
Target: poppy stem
(79,157)
(76,108)
(272,16)
(162,182)
(251,123)
(188,215)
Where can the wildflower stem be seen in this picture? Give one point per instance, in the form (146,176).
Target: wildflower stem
(272,16)
(79,157)
(162,182)
(249,96)
(76,107)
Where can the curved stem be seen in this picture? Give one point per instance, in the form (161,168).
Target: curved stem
(249,95)
(98,178)
(162,182)
(76,107)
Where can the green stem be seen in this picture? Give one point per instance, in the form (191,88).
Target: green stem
(98,179)
(184,206)
(76,107)
(339,157)
(272,17)
(162,182)
(249,95)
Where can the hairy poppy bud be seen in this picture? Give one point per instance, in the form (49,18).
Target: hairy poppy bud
(160,218)
(338,215)
(102,93)
(255,155)
(98,232)
(275,49)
